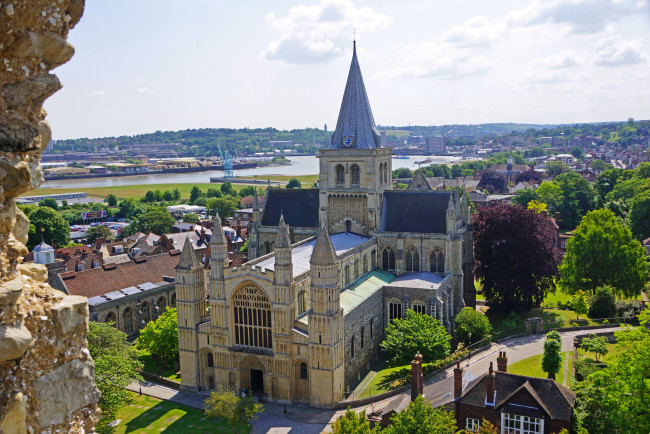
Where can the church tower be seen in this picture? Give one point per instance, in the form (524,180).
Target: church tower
(191,310)
(283,298)
(253,239)
(326,379)
(218,263)
(356,169)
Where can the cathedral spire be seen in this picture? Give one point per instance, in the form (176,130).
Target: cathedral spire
(282,240)
(324,253)
(218,237)
(188,259)
(355,127)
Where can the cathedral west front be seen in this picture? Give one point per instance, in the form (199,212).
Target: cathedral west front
(330,268)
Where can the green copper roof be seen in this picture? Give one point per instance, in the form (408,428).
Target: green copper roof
(363,288)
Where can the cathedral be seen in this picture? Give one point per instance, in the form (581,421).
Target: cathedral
(330,268)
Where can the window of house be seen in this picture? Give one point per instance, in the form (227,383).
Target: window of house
(472,424)
(394,310)
(388,259)
(252,316)
(355,174)
(419,307)
(563,244)
(162,303)
(437,261)
(516,424)
(303,371)
(340,175)
(412,260)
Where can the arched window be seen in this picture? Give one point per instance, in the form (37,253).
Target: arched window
(162,303)
(365,264)
(412,260)
(128,320)
(340,175)
(356,269)
(388,259)
(146,312)
(252,315)
(373,260)
(210,360)
(394,310)
(302,303)
(372,322)
(173,301)
(381,174)
(267,248)
(437,261)
(347,275)
(363,332)
(110,317)
(352,347)
(303,371)
(355,174)
(419,307)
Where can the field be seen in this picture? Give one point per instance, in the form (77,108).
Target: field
(532,367)
(150,415)
(128,191)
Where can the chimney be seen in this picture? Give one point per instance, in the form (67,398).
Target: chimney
(416,376)
(170,244)
(502,362)
(489,387)
(458,380)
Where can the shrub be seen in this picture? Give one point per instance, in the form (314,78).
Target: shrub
(627,308)
(468,321)
(603,304)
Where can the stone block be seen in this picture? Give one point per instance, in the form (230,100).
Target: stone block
(70,315)
(14,340)
(68,388)
(52,48)
(14,418)
(10,290)
(37,272)
(16,133)
(31,91)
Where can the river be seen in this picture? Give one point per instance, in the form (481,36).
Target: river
(304,165)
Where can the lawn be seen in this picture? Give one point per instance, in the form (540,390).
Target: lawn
(306,180)
(156,367)
(380,383)
(145,414)
(129,191)
(532,367)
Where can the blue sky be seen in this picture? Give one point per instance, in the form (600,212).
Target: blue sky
(147,65)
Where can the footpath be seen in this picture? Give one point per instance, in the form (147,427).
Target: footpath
(301,418)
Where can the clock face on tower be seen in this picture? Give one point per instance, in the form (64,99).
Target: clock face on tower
(347,141)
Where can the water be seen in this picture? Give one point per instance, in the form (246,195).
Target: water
(306,165)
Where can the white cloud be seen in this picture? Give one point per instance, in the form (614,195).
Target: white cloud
(562,59)
(474,33)
(433,59)
(321,32)
(98,93)
(578,16)
(144,89)
(615,51)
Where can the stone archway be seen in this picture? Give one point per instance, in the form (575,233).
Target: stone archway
(252,374)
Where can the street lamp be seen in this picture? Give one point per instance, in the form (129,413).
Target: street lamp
(469,334)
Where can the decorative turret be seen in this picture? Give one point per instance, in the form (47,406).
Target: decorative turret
(218,252)
(253,234)
(188,259)
(283,265)
(324,275)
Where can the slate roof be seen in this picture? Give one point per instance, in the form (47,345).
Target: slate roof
(355,117)
(43,247)
(551,397)
(420,279)
(113,277)
(299,207)
(415,211)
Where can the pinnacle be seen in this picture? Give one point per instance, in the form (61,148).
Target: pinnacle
(218,236)
(188,259)
(324,253)
(282,240)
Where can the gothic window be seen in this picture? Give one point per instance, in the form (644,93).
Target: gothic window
(372,322)
(373,260)
(352,347)
(340,175)
(381,174)
(356,269)
(128,320)
(267,248)
(110,317)
(437,261)
(210,360)
(365,264)
(355,173)
(303,371)
(388,259)
(162,303)
(252,315)
(347,275)
(394,310)
(412,260)
(173,302)
(146,312)
(363,332)
(302,303)
(419,307)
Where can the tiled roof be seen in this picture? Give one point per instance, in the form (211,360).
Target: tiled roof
(299,207)
(415,211)
(113,277)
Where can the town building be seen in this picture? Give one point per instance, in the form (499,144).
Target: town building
(436,145)
(331,268)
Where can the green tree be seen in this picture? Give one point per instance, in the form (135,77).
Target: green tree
(603,252)
(554,168)
(190,217)
(96,232)
(552,357)
(640,215)
(599,165)
(603,303)
(111,200)
(577,198)
(48,226)
(523,197)
(536,206)
(352,423)
(149,196)
(176,194)
(643,170)
(416,332)
(578,304)
(157,195)
(597,345)
(49,202)
(550,194)
(195,193)
(420,418)
(224,206)
(576,152)
(116,366)
(168,195)
(226,187)
(294,183)
(213,192)
(402,173)
(247,190)
(469,321)
(156,220)
(225,404)
(160,337)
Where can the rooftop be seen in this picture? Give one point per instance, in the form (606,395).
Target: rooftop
(421,279)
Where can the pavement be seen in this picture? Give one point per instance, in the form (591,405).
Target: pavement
(300,418)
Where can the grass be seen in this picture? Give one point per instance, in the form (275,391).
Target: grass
(156,367)
(611,348)
(305,180)
(128,191)
(380,383)
(532,367)
(150,415)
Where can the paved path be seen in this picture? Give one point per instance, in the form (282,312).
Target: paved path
(300,418)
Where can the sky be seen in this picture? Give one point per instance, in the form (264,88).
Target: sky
(147,65)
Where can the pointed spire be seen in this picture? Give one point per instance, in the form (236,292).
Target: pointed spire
(218,237)
(355,127)
(324,253)
(256,202)
(188,259)
(282,240)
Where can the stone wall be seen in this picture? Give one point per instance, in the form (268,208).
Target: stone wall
(46,372)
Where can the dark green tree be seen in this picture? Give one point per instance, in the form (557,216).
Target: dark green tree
(596,345)
(223,205)
(640,215)
(195,193)
(247,190)
(577,198)
(294,183)
(190,218)
(402,173)
(176,194)
(603,303)
(524,196)
(168,195)
(160,337)
(111,200)
(552,357)
(554,168)
(576,152)
(226,187)
(238,412)
(420,418)
(96,232)
(353,423)
(469,321)
(49,202)
(48,226)
(416,332)
(156,220)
